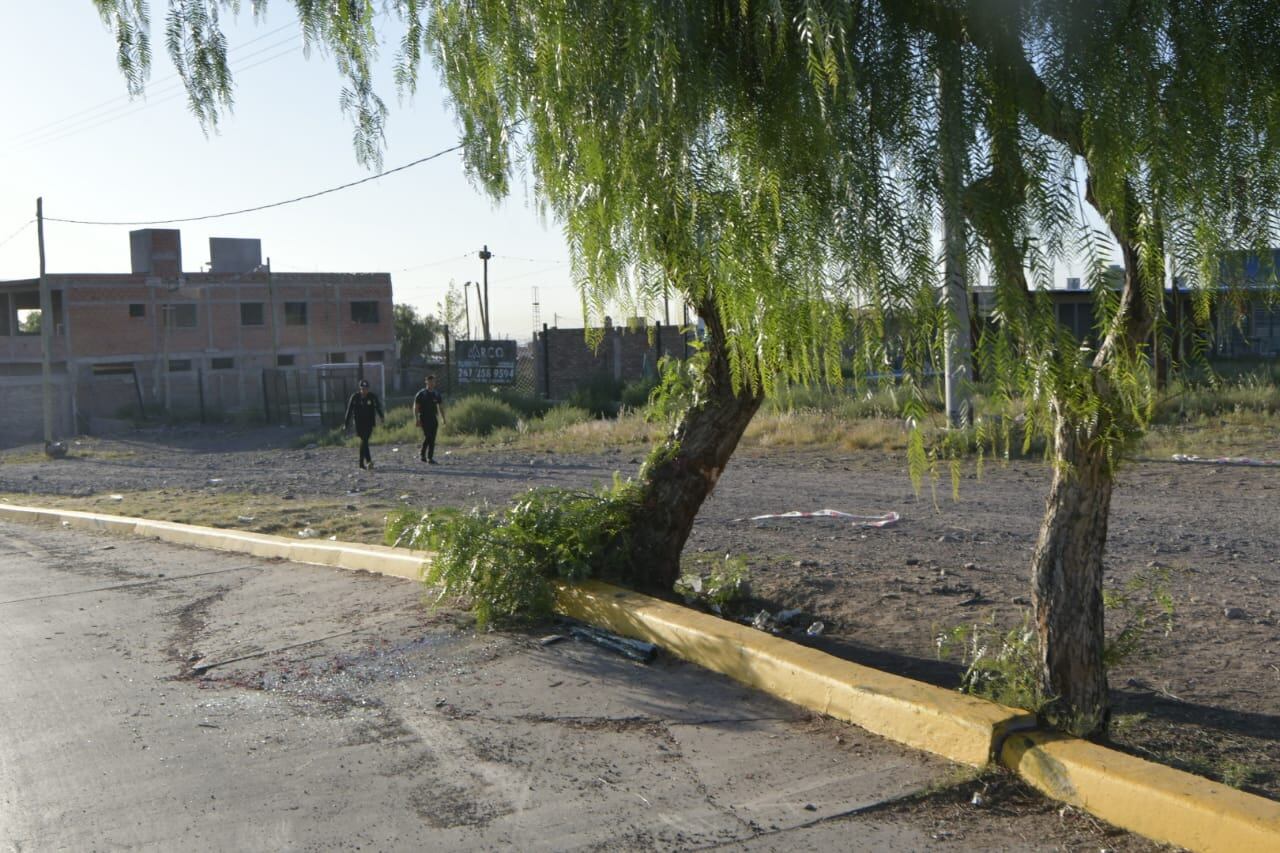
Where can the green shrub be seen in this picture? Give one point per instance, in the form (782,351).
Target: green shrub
(527,405)
(599,395)
(558,418)
(504,562)
(1002,667)
(479,416)
(717,584)
(635,395)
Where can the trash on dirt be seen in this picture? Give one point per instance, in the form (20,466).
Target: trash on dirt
(245,519)
(785,616)
(763,621)
(551,639)
(404,497)
(55,449)
(637,650)
(885,519)
(1234,613)
(115,497)
(333,538)
(816,629)
(395,450)
(213,481)
(307,533)
(1226,460)
(977,799)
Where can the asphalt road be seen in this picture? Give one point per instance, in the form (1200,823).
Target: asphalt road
(162,698)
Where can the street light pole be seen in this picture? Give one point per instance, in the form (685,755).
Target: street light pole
(466,305)
(485,255)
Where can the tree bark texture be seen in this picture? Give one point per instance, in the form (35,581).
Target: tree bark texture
(1067,583)
(688,466)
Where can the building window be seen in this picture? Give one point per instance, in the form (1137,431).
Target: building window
(137,309)
(28,321)
(179,365)
(181,315)
(295,313)
(284,361)
(222,363)
(113,368)
(373,355)
(364,312)
(251,314)
(337,358)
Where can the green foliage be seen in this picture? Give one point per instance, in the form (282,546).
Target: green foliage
(599,395)
(717,584)
(1001,666)
(558,418)
(1140,611)
(480,416)
(415,334)
(503,562)
(635,395)
(680,384)
(527,405)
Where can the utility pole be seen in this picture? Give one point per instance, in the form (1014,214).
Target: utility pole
(484,315)
(485,255)
(46,331)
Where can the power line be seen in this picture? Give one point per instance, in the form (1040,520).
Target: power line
(529,260)
(164,80)
(169,94)
(293,200)
(23,227)
(435,263)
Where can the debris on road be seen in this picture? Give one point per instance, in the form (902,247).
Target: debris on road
(637,650)
(550,639)
(816,629)
(307,533)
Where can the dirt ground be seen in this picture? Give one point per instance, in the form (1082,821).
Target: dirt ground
(1202,697)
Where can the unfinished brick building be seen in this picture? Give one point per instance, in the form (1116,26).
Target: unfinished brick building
(172,341)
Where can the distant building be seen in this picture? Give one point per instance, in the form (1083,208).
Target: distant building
(177,341)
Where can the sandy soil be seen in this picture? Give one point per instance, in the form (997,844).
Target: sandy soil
(1203,697)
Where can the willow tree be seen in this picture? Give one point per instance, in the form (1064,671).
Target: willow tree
(1171,111)
(779,162)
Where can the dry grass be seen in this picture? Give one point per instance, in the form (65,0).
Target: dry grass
(268,513)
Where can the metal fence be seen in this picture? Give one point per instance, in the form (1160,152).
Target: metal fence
(316,396)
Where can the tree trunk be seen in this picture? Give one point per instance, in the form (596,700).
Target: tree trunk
(1067,583)
(685,468)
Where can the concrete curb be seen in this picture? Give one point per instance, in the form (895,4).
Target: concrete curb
(344,555)
(1153,800)
(944,722)
(1156,801)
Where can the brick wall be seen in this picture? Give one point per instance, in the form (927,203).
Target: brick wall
(626,354)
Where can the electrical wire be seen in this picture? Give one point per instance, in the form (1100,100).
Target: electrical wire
(530,260)
(168,95)
(23,227)
(259,207)
(38,131)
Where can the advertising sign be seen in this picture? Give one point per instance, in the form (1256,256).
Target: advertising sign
(486,362)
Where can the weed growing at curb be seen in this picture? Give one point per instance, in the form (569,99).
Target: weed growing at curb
(503,562)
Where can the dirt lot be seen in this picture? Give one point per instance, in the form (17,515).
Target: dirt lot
(1204,698)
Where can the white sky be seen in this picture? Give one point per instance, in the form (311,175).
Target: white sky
(72,136)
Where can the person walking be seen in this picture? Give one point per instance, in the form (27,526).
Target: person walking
(362,409)
(427,404)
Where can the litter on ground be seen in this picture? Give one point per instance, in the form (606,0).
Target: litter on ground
(883,520)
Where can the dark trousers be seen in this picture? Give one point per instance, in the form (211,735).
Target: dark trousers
(364,445)
(429,429)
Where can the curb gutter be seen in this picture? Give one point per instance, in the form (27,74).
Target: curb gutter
(1156,801)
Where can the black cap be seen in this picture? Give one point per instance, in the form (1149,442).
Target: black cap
(364,383)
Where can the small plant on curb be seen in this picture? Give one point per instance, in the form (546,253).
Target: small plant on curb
(503,562)
(1000,666)
(715,584)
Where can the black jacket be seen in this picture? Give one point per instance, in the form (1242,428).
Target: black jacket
(364,410)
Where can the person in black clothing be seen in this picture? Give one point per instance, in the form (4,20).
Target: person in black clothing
(363,408)
(426,404)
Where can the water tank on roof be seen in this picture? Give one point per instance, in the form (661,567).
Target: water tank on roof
(234,254)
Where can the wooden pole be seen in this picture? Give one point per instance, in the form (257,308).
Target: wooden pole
(46,330)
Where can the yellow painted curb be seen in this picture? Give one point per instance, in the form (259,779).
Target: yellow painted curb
(1156,801)
(944,722)
(397,562)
